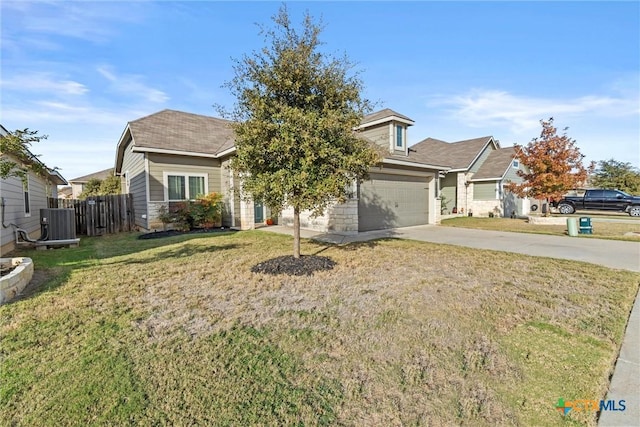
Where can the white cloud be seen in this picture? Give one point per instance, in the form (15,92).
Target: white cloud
(44,82)
(483,108)
(133,86)
(96,23)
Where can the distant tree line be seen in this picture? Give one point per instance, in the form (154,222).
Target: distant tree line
(101,187)
(615,174)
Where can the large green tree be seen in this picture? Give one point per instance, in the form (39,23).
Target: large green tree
(101,187)
(295,114)
(615,174)
(553,165)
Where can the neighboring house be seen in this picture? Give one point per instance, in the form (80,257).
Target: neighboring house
(171,156)
(77,184)
(21,201)
(65,193)
(479,171)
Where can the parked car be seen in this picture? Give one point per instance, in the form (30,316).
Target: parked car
(601,200)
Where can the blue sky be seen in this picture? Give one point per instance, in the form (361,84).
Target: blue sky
(79,71)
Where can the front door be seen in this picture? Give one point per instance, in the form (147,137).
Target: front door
(258,212)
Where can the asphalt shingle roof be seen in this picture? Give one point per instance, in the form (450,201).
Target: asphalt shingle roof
(179,131)
(387,112)
(456,155)
(495,166)
(104,174)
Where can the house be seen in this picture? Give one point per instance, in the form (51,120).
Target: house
(65,192)
(22,200)
(479,171)
(78,184)
(402,191)
(171,156)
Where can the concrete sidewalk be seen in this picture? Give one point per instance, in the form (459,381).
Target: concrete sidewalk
(625,383)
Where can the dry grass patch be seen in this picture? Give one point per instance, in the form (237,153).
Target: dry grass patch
(398,333)
(601,229)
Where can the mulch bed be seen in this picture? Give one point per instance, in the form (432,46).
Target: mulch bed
(303,266)
(169,233)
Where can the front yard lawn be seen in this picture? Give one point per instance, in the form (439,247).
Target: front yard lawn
(179,331)
(601,229)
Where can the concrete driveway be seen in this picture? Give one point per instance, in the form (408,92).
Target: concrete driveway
(625,383)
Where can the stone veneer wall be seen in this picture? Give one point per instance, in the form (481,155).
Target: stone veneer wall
(465,193)
(152,212)
(482,208)
(341,217)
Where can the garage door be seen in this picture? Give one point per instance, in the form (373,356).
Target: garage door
(388,201)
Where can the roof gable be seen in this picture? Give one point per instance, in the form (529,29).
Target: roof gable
(96,175)
(456,155)
(496,165)
(383,116)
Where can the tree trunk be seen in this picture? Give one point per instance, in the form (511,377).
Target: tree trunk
(296,233)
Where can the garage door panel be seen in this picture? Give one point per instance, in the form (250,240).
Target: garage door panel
(388,201)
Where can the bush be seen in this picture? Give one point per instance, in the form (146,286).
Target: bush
(205,211)
(165,216)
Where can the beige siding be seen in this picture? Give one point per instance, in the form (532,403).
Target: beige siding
(159,164)
(133,165)
(378,134)
(512,175)
(448,190)
(484,190)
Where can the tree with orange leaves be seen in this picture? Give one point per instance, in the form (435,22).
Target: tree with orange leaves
(553,165)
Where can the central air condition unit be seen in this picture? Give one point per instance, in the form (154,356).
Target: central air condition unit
(58,224)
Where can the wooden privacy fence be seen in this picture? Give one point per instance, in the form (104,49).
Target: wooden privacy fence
(100,215)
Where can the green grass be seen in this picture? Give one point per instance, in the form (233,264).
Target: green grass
(601,229)
(178,331)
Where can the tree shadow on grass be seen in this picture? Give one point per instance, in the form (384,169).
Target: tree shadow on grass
(350,246)
(53,267)
(184,251)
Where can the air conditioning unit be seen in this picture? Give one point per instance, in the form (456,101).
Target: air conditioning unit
(58,224)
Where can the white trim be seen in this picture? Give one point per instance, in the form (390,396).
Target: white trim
(127,181)
(384,120)
(177,152)
(487,179)
(26,183)
(226,152)
(401,173)
(484,147)
(415,165)
(145,216)
(186,175)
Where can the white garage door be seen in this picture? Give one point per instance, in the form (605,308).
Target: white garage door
(388,201)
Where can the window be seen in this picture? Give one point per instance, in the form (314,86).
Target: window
(185,186)
(515,164)
(25,190)
(399,137)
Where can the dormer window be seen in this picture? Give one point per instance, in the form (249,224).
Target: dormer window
(399,137)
